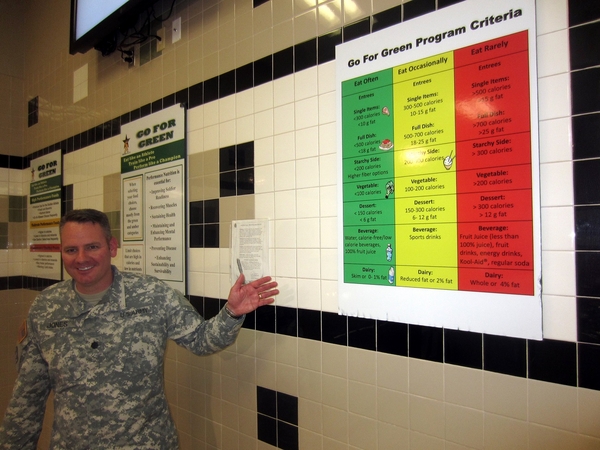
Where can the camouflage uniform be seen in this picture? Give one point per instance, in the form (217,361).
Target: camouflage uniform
(105,365)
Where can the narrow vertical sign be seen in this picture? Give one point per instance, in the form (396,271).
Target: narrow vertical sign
(153,199)
(439,171)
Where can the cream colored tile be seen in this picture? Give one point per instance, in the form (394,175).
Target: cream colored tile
(362,365)
(464,426)
(309,354)
(392,407)
(392,372)
(335,425)
(420,441)
(504,433)
(463,386)
(308,439)
(589,412)
(335,392)
(426,379)
(427,416)
(310,415)
(309,385)
(335,360)
(542,437)
(362,399)
(553,405)
(362,431)
(287,379)
(390,437)
(505,395)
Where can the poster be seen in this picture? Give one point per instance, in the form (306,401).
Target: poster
(153,199)
(43,215)
(249,249)
(439,171)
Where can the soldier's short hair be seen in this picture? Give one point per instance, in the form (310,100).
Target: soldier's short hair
(88,216)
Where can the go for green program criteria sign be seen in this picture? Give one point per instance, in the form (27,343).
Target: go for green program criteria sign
(439,171)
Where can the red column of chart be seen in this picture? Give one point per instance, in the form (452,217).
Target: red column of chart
(493,162)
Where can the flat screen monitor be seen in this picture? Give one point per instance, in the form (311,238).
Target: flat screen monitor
(93,21)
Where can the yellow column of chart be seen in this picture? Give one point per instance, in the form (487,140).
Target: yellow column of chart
(425,174)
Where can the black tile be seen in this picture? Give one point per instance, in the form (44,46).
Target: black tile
(196,236)
(227,184)
(361,333)
(283,63)
(334,328)
(426,343)
(387,18)
(587,228)
(587,281)
(244,77)
(392,337)
(125,119)
(463,348)
(588,320)
(196,215)
(585,91)
(589,366)
(256,3)
(552,361)
(582,11)
(287,408)
(305,55)
(145,110)
(265,319)
(286,321)
(263,70)
(198,303)
(212,306)
(266,401)
(250,321)
(586,136)
(211,235)
(168,100)
(181,97)
(157,105)
(416,8)
(227,158)
(211,211)
(505,355)
(584,44)
(585,182)
(357,29)
(444,3)
(267,430)
(326,46)
(227,84)
(309,324)
(244,155)
(134,114)
(245,181)
(287,436)
(211,89)
(196,95)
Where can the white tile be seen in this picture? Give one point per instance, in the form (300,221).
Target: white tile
(553,53)
(211,285)
(558,228)
(555,140)
(211,260)
(285,176)
(556,182)
(285,262)
(328,201)
(285,205)
(327,77)
(283,91)
(211,113)
(195,118)
(551,15)
(328,170)
(329,296)
(263,97)
(227,110)
(329,235)
(305,83)
(307,142)
(307,113)
(263,151)
(307,172)
(263,124)
(244,103)
(327,108)
(264,205)
(211,137)
(227,134)
(309,294)
(284,147)
(308,233)
(558,273)
(245,129)
(308,263)
(285,233)
(329,267)
(307,202)
(283,121)
(327,139)
(560,318)
(196,283)
(288,291)
(196,260)
(263,179)
(554,94)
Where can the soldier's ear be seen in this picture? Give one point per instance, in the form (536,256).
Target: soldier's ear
(113,245)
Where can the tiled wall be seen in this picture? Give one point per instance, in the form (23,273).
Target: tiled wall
(300,376)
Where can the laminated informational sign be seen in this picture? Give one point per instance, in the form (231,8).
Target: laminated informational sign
(439,171)
(153,196)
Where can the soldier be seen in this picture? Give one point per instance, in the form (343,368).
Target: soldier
(98,341)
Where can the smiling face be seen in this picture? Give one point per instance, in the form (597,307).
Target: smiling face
(87,254)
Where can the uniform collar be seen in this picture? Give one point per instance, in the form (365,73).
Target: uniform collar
(114,299)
